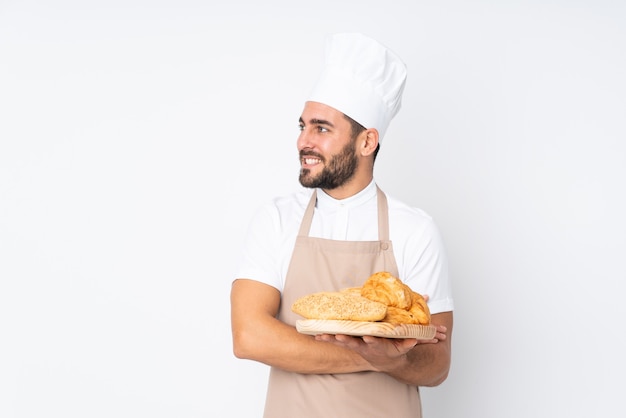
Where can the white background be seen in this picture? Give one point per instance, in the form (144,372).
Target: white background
(138,137)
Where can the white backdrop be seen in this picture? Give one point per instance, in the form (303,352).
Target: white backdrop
(137,138)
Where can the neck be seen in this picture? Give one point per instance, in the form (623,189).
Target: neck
(349,189)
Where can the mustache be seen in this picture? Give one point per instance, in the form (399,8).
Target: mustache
(305,153)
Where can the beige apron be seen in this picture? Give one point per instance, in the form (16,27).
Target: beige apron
(316,265)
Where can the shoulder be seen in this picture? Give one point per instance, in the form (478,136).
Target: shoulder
(407,215)
(283,209)
(412,228)
(287,203)
(297,199)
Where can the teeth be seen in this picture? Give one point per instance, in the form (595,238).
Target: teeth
(311,160)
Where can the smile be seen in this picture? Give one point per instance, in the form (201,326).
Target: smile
(311,161)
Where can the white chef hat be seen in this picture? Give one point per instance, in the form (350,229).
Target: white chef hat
(362,79)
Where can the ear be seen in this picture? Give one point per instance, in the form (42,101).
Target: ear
(369,142)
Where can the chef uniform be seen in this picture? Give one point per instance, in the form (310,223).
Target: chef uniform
(319,264)
(364,80)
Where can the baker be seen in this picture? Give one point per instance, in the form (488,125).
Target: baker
(333,234)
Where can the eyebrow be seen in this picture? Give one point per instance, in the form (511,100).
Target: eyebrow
(318,122)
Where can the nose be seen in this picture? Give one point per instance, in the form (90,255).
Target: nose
(304,140)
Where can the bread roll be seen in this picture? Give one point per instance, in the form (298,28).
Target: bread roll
(385,288)
(404,306)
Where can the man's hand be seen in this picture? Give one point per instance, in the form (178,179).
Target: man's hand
(382,353)
(403,345)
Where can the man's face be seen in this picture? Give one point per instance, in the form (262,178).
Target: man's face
(327,150)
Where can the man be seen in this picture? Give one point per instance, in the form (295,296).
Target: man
(334,235)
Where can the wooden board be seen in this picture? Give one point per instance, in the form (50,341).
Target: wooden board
(357,328)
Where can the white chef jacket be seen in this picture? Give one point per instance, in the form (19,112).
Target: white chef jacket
(416,241)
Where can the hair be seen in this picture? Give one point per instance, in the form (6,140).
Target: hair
(355,130)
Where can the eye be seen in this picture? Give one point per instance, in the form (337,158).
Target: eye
(322,129)
(301,127)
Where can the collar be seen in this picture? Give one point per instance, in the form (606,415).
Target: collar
(326,202)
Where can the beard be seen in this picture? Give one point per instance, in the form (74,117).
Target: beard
(340,168)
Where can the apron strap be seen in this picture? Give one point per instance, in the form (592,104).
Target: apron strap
(383,216)
(307,219)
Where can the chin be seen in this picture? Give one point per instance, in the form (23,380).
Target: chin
(308,182)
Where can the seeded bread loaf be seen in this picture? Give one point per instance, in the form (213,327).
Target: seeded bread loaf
(339,305)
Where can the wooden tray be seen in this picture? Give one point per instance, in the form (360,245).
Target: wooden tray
(358,328)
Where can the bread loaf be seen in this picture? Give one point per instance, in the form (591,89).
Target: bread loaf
(339,305)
